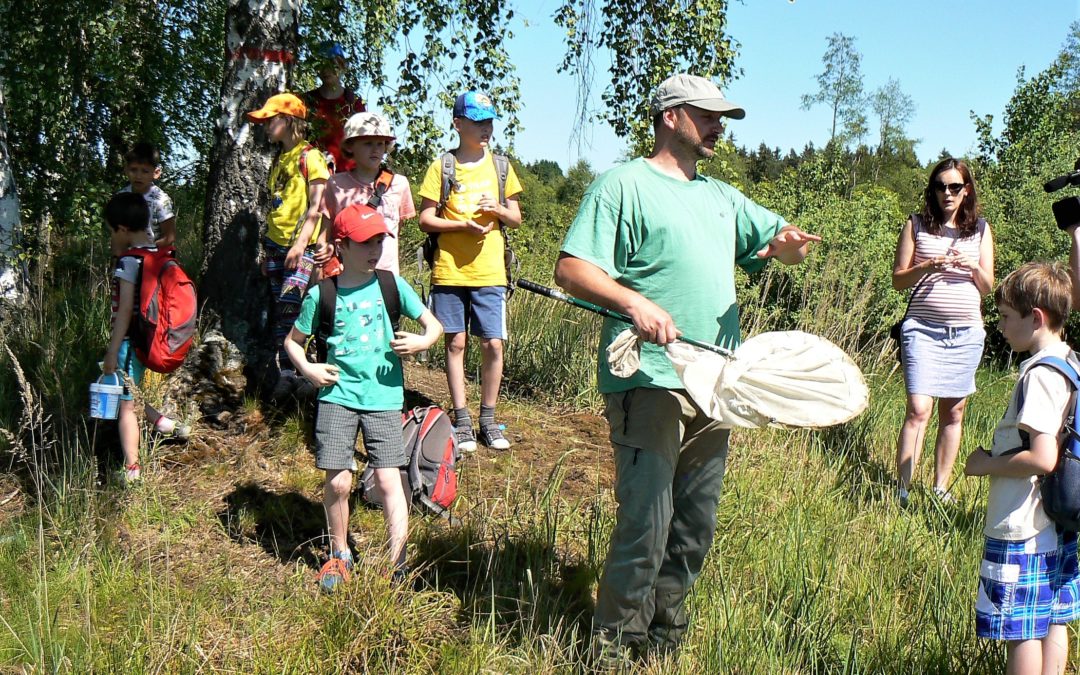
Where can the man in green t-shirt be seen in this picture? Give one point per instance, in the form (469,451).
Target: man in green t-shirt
(655,240)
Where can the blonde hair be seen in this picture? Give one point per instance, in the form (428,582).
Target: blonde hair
(1045,286)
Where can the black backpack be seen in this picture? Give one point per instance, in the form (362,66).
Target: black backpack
(1060,489)
(431,244)
(328,304)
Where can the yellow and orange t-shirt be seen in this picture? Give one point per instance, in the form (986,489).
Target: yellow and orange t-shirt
(289,193)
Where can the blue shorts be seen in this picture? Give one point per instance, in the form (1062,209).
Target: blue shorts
(130,364)
(483,306)
(1022,594)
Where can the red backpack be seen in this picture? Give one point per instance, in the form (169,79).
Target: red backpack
(430,479)
(164,326)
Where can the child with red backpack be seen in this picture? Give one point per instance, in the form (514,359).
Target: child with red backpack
(368,139)
(127,214)
(297,180)
(361,384)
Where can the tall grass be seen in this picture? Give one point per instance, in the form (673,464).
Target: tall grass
(814,569)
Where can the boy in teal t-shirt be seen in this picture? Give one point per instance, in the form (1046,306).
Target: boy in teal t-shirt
(361,385)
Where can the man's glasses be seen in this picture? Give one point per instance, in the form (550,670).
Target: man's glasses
(953,188)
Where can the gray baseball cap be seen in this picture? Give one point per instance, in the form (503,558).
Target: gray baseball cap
(695,91)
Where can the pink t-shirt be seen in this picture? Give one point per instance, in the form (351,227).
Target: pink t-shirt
(344,190)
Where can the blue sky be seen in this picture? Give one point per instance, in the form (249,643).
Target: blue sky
(951,58)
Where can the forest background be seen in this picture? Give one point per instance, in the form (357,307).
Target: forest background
(79,86)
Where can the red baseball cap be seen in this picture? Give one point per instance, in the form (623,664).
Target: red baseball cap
(359,223)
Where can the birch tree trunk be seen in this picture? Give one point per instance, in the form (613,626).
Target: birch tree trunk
(260,41)
(11,286)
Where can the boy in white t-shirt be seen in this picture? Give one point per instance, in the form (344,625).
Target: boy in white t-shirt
(1029,582)
(142,166)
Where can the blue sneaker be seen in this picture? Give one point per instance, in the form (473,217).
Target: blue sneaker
(335,572)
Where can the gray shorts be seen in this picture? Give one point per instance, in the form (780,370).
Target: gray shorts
(335,437)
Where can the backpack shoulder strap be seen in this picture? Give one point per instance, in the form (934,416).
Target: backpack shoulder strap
(391,297)
(1068,372)
(325,323)
(447,162)
(502,168)
(382,184)
(308,147)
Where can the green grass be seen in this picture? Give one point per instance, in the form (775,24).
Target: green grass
(209,567)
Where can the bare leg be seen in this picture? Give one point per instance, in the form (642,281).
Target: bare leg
(1023,657)
(491,370)
(950,428)
(1055,650)
(455,367)
(129,432)
(336,502)
(395,512)
(909,443)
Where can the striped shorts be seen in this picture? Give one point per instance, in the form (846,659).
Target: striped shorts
(1022,594)
(335,437)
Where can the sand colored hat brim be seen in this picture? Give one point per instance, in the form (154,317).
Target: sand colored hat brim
(685,89)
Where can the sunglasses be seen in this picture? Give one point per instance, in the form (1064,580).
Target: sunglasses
(953,188)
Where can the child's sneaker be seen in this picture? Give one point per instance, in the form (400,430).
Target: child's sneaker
(903,496)
(335,572)
(131,475)
(944,496)
(466,440)
(491,435)
(171,428)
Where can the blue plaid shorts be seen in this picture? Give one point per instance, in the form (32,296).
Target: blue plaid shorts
(1022,594)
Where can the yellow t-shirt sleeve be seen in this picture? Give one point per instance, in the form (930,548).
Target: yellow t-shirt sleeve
(316,165)
(513,185)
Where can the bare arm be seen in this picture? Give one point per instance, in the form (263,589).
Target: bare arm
(1038,461)
(509,215)
(789,246)
(311,221)
(585,280)
(429,222)
(905,274)
(405,343)
(1074,265)
(983,273)
(320,374)
(125,306)
(168,232)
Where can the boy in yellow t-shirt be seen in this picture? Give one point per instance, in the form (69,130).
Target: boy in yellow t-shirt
(297,180)
(468,277)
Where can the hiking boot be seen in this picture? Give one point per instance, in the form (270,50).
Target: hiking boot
(491,435)
(609,656)
(286,384)
(335,572)
(466,440)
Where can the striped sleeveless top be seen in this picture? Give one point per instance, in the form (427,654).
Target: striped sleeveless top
(949,297)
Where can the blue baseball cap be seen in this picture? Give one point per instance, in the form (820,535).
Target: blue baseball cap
(475,106)
(330,50)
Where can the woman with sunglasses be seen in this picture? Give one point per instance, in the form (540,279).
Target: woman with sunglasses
(946,256)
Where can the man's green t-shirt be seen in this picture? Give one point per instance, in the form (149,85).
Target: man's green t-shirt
(677,243)
(369,372)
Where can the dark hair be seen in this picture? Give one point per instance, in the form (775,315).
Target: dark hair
(143,153)
(127,211)
(967,216)
(1036,284)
